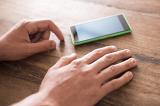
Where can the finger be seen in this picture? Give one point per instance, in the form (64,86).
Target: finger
(45,35)
(96,54)
(116,83)
(109,59)
(43,25)
(65,60)
(40,36)
(116,69)
(35,38)
(42,46)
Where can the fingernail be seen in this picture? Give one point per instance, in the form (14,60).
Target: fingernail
(113,47)
(73,55)
(52,45)
(128,51)
(130,74)
(133,61)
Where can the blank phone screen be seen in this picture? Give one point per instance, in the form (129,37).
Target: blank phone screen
(100,27)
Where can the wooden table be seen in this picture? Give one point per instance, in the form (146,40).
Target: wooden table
(22,78)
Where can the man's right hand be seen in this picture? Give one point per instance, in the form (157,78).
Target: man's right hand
(83,81)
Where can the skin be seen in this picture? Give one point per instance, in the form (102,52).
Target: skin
(28,38)
(71,81)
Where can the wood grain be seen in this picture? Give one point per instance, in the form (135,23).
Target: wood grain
(144,6)
(22,78)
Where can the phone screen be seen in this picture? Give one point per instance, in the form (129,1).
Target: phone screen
(100,27)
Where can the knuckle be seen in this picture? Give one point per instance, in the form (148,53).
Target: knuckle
(49,21)
(77,62)
(89,68)
(112,48)
(64,58)
(84,73)
(113,85)
(123,54)
(85,70)
(85,59)
(120,54)
(109,57)
(74,69)
(113,68)
(98,51)
(24,21)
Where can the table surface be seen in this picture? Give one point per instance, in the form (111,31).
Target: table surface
(21,78)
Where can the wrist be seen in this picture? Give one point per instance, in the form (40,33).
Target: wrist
(32,100)
(37,99)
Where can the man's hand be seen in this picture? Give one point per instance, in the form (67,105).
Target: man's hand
(28,38)
(83,81)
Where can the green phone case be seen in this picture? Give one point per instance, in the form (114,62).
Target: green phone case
(103,37)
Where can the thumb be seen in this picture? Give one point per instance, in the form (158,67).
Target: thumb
(42,46)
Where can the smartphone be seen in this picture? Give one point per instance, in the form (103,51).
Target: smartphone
(99,29)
